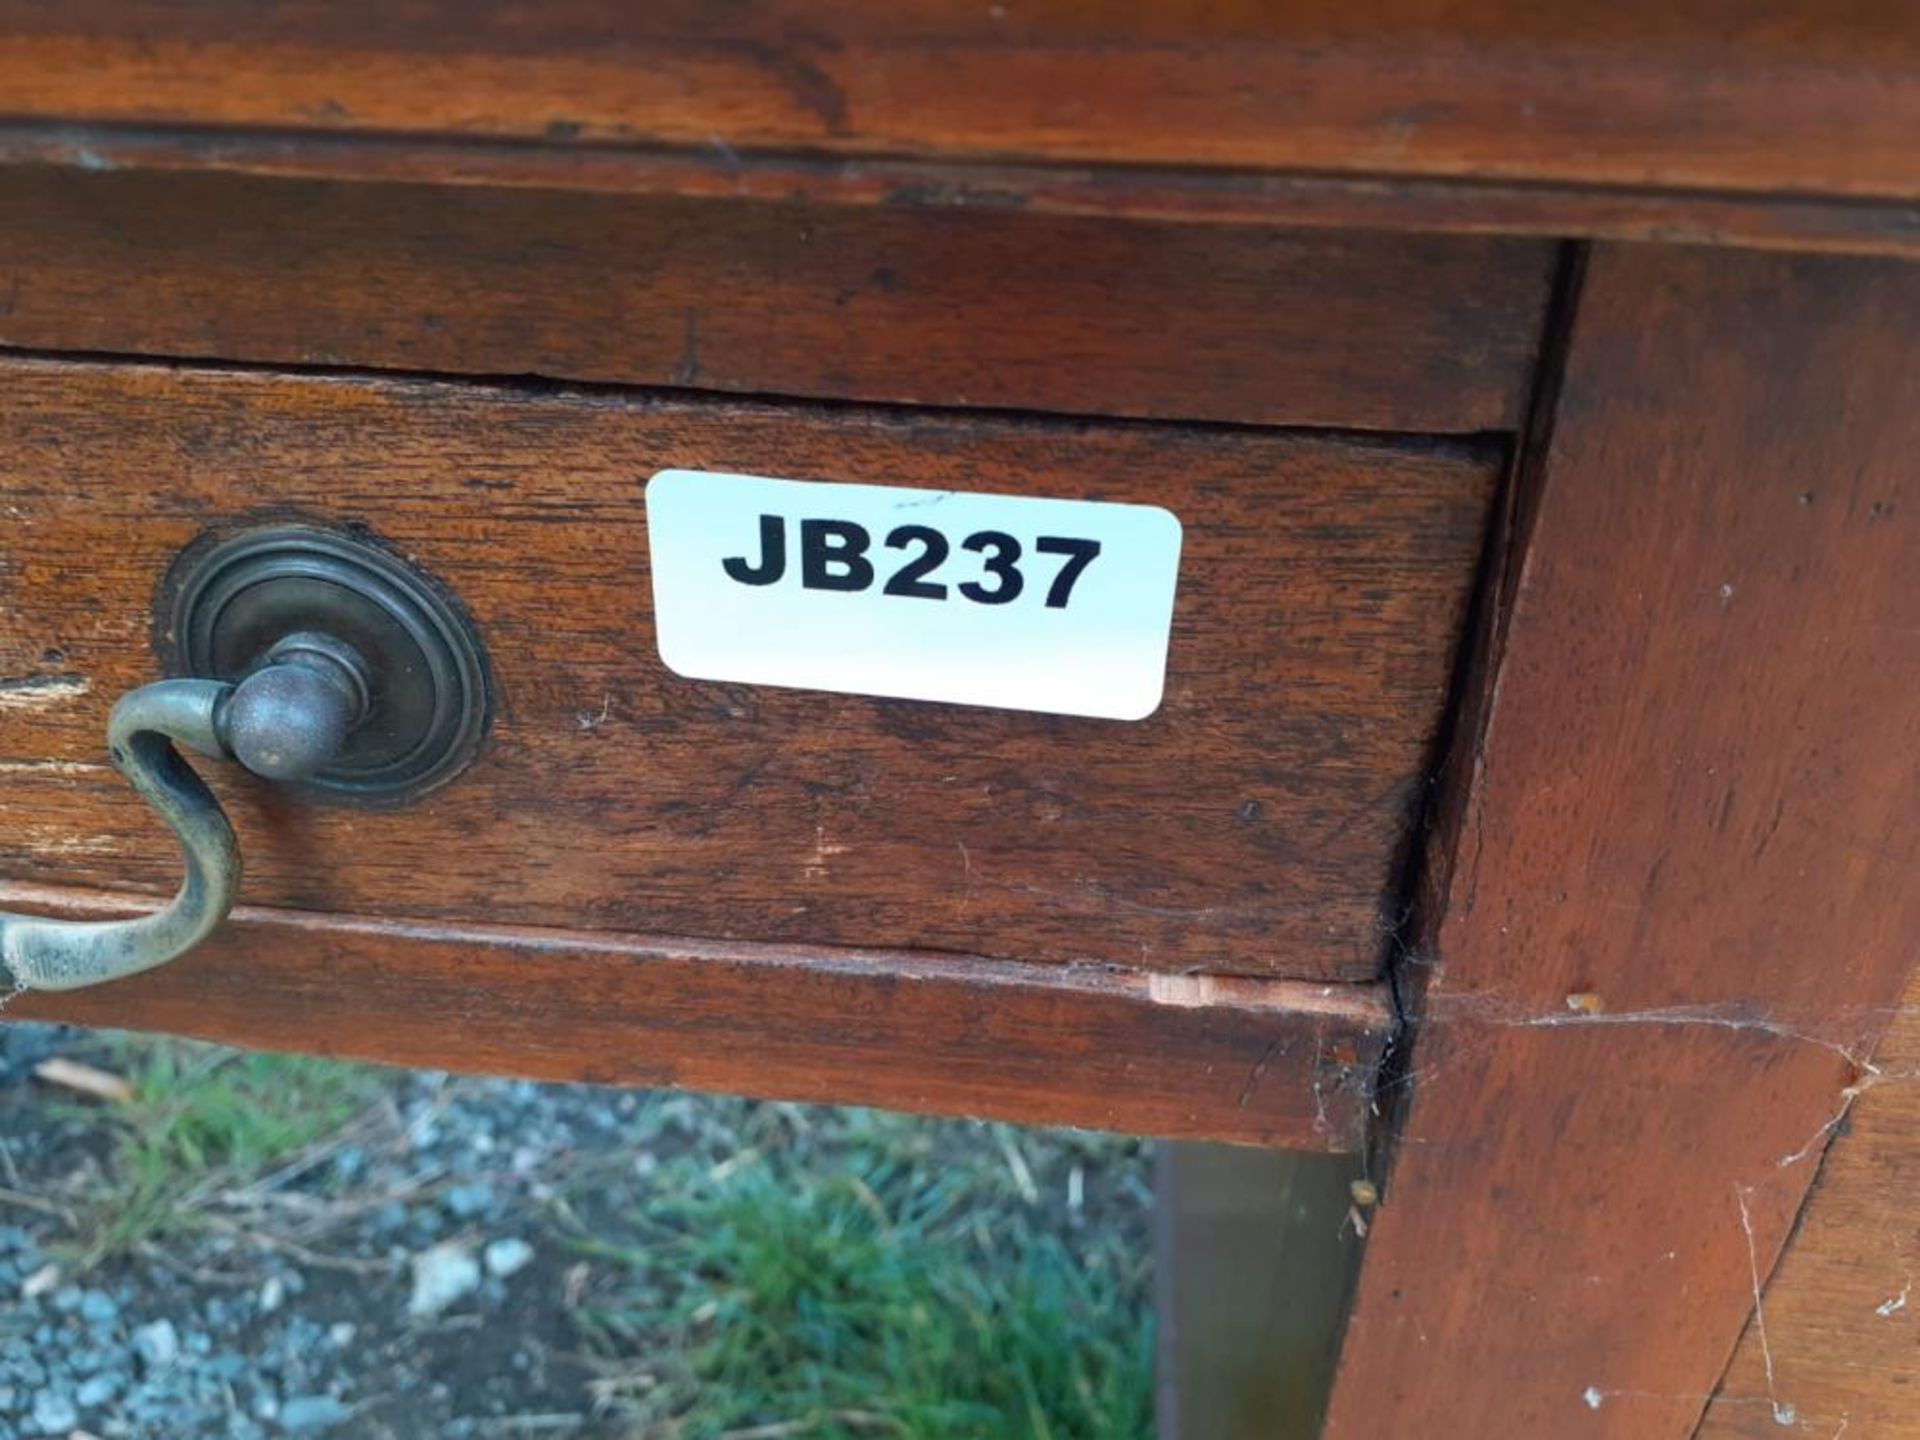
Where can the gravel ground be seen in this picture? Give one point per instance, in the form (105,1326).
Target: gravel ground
(253,1248)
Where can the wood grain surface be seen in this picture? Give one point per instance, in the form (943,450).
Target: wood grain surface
(987,308)
(1259,1062)
(1553,211)
(1681,908)
(1806,95)
(1253,825)
(1840,1350)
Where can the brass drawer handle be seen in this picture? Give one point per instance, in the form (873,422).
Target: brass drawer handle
(284,721)
(379,718)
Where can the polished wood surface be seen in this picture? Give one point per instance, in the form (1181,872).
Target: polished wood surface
(1681,908)
(1258,1062)
(990,308)
(1111,190)
(1841,1345)
(1254,824)
(1821,96)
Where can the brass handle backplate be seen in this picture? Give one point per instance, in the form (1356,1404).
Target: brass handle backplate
(314,659)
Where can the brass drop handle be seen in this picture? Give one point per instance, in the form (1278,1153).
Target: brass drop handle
(324,660)
(285,721)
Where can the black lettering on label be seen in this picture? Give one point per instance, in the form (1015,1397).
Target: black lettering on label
(1079,553)
(1000,553)
(910,578)
(773,555)
(833,555)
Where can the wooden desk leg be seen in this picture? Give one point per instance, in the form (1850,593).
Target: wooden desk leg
(1683,905)
(1256,1257)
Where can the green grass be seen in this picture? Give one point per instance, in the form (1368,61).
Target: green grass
(747,1271)
(887,1277)
(203,1119)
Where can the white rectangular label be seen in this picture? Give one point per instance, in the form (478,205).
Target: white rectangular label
(1058,606)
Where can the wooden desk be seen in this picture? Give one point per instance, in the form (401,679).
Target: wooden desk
(1530,812)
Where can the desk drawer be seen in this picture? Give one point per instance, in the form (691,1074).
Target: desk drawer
(1251,825)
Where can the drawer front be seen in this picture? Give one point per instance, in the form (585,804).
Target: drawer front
(1252,825)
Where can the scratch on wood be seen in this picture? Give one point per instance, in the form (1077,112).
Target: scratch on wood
(1184,992)
(52,767)
(823,851)
(1847,1097)
(1887,1308)
(1782,1414)
(47,840)
(687,371)
(1259,1068)
(593,720)
(1594,1397)
(41,692)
